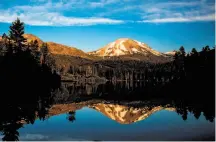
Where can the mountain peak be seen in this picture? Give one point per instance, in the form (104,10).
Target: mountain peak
(122,39)
(125,46)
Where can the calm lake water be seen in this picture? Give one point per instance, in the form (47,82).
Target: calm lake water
(115,122)
(69,117)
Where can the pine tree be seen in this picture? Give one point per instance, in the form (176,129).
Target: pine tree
(176,56)
(1,48)
(9,48)
(4,44)
(45,52)
(16,35)
(4,36)
(194,52)
(207,48)
(181,59)
(182,51)
(34,48)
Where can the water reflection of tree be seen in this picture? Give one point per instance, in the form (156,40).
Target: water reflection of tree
(71,116)
(195,107)
(26,82)
(188,77)
(185,102)
(16,114)
(188,81)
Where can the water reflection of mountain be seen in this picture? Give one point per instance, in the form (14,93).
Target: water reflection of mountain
(190,101)
(123,114)
(116,101)
(126,112)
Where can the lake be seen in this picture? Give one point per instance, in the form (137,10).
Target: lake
(117,122)
(74,114)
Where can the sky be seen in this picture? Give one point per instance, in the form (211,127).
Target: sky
(164,25)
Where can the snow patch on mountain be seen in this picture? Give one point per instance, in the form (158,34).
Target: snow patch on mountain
(125,46)
(171,53)
(119,52)
(135,50)
(122,47)
(139,43)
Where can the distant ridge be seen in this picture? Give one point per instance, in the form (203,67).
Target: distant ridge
(121,49)
(59,49)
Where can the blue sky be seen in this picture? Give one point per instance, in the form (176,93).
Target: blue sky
(164,25)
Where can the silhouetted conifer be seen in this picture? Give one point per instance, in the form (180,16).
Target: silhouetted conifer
(16,35)
(182,51)
(45,52)
(194,52)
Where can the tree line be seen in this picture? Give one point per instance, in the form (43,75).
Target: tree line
(26,81)
(131,70)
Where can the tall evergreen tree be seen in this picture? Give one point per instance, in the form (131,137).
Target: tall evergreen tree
(34,48)
(182,51)
(181,59)
(207,48)
(9,48)
(16,35)
(176,56)
(45,52)
(194,52)
(3,44)
(1,47)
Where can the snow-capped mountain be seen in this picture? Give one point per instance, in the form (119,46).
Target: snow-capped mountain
(125,46)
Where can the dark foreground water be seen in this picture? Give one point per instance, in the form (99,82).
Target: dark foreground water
(100,113)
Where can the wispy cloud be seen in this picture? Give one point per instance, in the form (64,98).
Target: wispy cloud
(85,12)
(158,11)
(210,17)
(170,12)
(48,5)
(50,14)
(102,3)
(54,19)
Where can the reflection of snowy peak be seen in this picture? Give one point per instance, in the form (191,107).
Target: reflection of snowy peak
(125,46)
(125,114)
(122,114)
